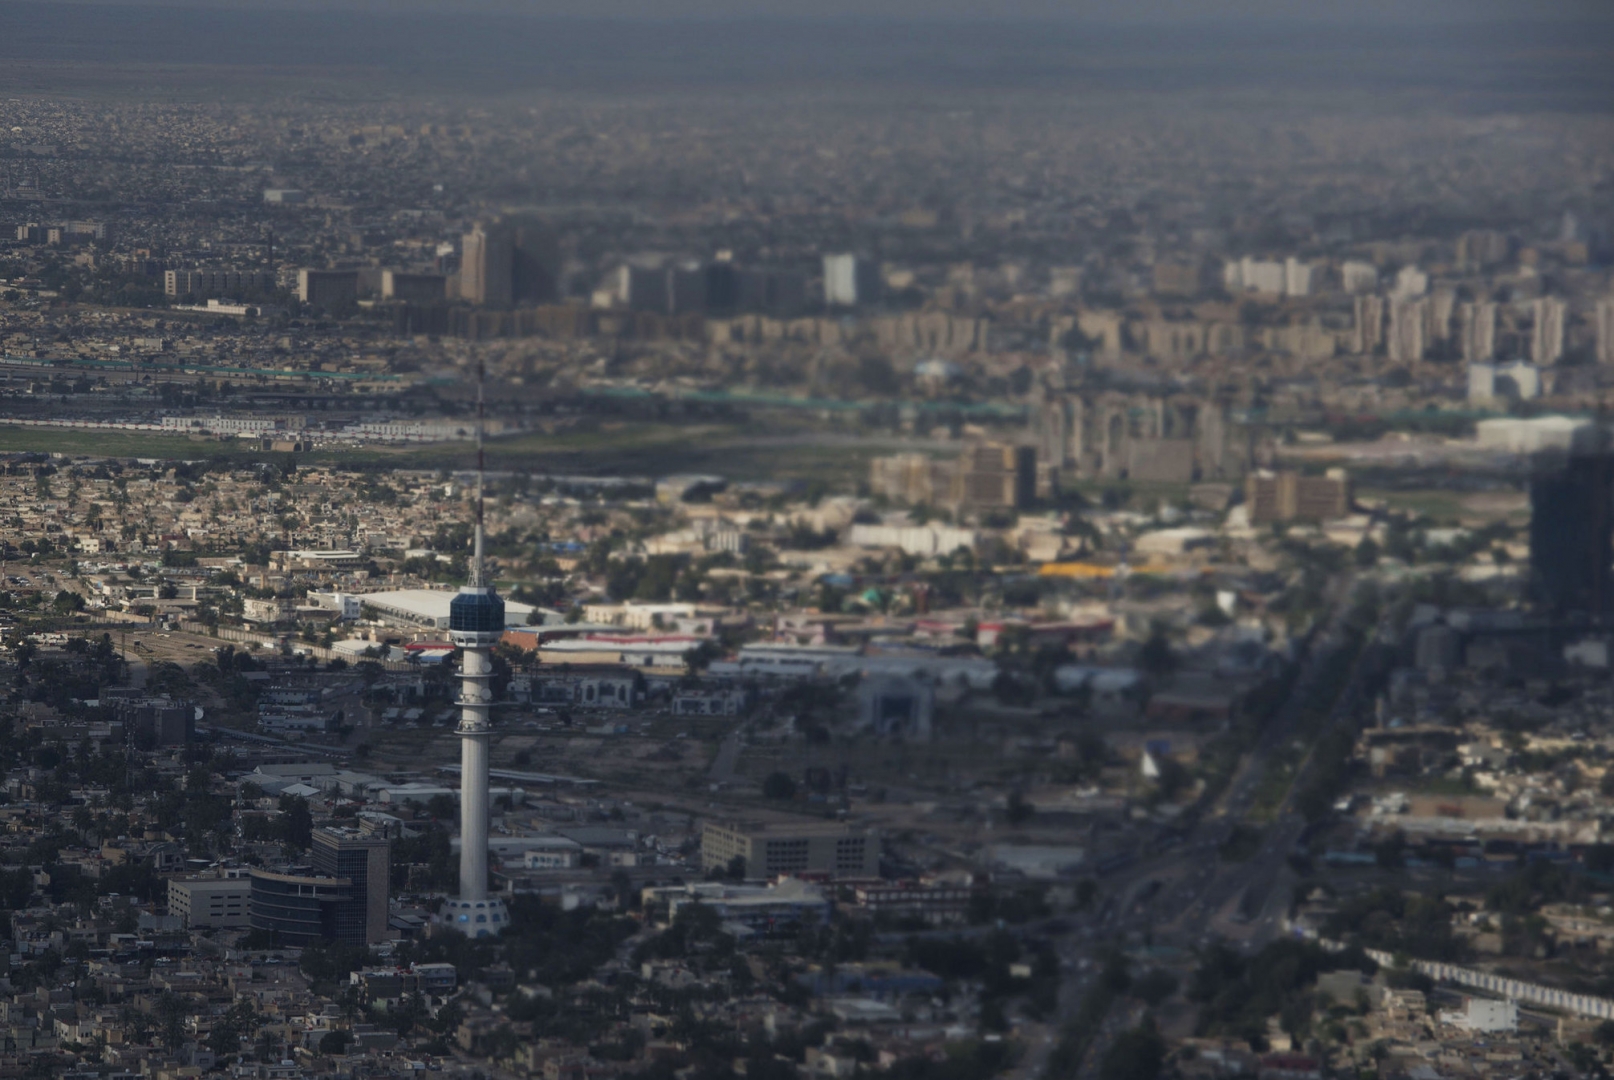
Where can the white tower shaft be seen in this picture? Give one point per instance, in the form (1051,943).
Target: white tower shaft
(474,730)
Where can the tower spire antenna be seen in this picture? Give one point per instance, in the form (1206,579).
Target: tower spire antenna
(476,568)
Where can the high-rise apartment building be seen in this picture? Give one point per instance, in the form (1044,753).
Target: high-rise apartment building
(1369,325)
(995,476)
(327,289)
(986,476)
(665,290)
(487,265)
(640,288)
(1572,534)
(731,288)
(1356,276)
(1254,275)
(1438,316)
(1547,335)
(1411,281)
(1408,321)
(67,232)
(686,289)
(1605,331)
(909,478)
(728,287)
(150,722)
(413,288)
(1477,331)
(1297,277)
(366,862)
(535,263)
(850,280)
(508,261)
(203,284)
(1478,249)
(1177,277)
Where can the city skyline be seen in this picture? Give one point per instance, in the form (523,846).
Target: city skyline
(543,541)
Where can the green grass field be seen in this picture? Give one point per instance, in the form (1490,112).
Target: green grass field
(647,442)
(1439,505)
(15,439)
(735,451)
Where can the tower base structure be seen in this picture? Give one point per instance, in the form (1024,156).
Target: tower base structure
(475,918)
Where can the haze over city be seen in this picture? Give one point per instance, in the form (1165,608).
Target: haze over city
(716,539)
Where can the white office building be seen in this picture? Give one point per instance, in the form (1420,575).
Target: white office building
(348,606)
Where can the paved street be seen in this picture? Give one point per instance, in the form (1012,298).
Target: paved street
(1199,897)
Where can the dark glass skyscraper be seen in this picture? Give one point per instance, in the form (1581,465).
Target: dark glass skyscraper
(366,861)
(1572,534)
(344,899)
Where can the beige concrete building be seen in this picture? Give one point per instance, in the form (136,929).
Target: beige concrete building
(487,261)
(770,850)
(1290,496)
(1176,438)
(210,903)
(985,476)
(995,475)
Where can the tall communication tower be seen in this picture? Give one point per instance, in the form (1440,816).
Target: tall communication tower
(475,624)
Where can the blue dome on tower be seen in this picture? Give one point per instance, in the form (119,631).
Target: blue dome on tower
(479,612)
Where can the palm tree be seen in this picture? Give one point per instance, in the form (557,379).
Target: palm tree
(268,1045)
